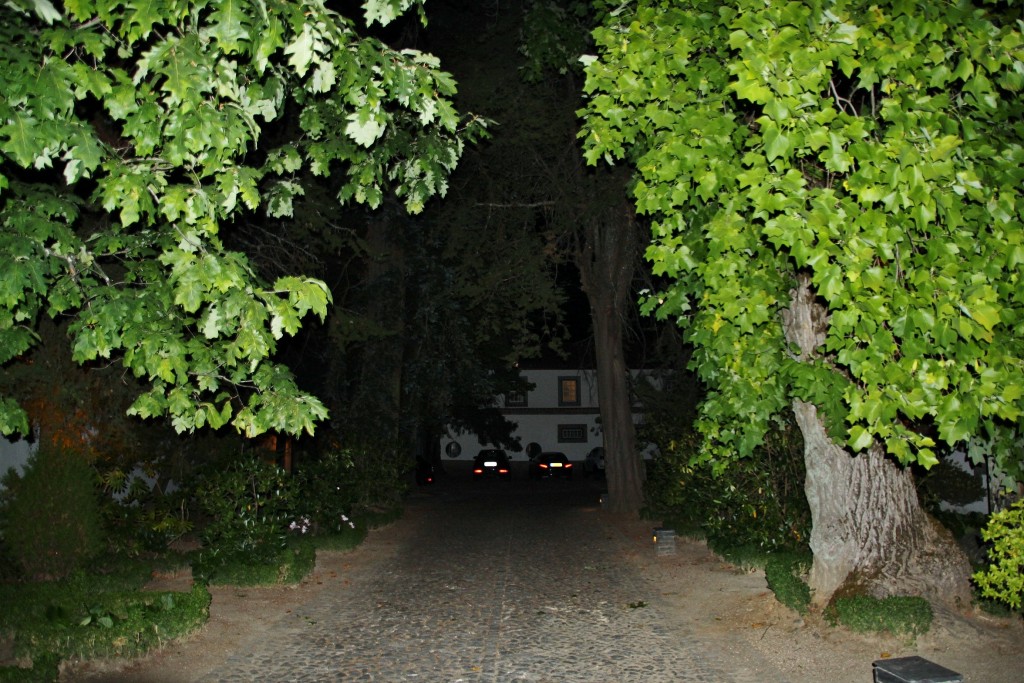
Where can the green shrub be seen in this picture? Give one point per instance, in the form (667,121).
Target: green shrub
(377,481)
(899,615)
(783,572)
(9,569)
(141,515)
(667,489)
(51,516)
(248,507)
(325,492)
(299,560)
(1003,580)
(757,501)
(746,556)
(293,563)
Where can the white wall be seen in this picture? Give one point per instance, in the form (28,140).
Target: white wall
(539,421)
(14,455)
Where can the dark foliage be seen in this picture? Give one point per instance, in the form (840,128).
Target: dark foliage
(757,501)
(51,516)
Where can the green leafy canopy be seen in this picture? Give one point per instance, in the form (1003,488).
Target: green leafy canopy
(133,134)
(875,147)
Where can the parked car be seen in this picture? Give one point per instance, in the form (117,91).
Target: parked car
(594,462)
(424,472)
(492,462)
(550,464)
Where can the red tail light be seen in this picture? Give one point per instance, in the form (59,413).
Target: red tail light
(503,471)
(543,466)
(478,471)
(567,465)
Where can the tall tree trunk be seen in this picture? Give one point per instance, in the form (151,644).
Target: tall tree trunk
(869,533)
(624,466)
(607,259)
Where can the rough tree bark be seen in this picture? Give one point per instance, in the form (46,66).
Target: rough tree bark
(606,258)
(869,533)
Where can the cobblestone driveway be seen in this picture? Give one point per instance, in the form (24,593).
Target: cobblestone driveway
(497,581)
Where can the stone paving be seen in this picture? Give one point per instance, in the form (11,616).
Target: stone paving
(510,582)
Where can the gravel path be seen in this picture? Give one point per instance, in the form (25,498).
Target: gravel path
(491,581)
(532,582)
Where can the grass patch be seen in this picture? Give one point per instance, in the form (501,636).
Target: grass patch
(995,608)
(899,615)
(86,617)
(104,613)
(376,517)
(344,540)
(43,670)
(783,572)
(290,566)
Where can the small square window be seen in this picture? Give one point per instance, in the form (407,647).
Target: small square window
(515,399)
(568,391)
(572,433)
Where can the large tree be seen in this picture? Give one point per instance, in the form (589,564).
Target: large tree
(132,135)
(837,195)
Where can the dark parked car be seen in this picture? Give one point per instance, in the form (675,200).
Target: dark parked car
(492,462)
(550,464)
(594,464)
(424,472)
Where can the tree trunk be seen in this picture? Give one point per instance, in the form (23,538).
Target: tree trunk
(624,467)
(607,260)
(869,533)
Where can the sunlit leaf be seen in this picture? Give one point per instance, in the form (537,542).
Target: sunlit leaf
(364,127)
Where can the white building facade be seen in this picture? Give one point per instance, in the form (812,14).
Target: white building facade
(559,413)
